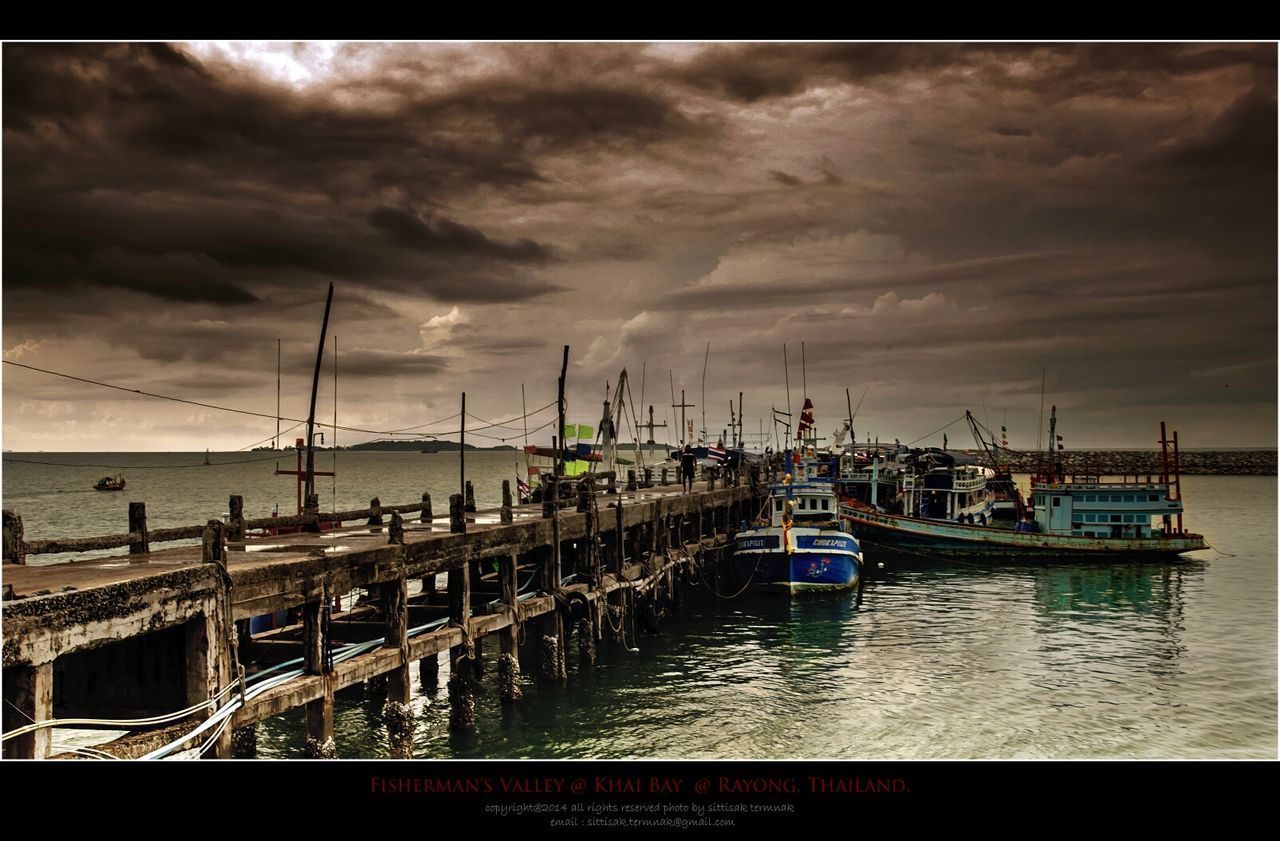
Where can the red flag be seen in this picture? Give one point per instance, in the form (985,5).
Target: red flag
(806,418)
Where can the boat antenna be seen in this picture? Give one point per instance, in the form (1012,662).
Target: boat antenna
(786,373)
(1040,425)
(804,377)
(705,359)
(310,488)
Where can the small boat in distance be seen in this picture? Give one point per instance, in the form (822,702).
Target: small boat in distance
(110,483)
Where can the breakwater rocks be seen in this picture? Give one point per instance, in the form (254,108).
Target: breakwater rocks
(1144,462)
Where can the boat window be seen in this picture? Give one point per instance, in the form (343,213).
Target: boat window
(1057,502)
(1115,518)
(825,505)
(1128,497)
(777,505)
(1077,517)
(1153,498)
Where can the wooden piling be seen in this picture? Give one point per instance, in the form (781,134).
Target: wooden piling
(311,511)
(648,477)
(470,506)
(235,519)
(505,516)
(457,521)
(395,533)
(139,545)
(631,480)
(462,708)
(509,637)
(397,712)
(14,551)
(320,743)
(376,505)
(426,508)
(663,474)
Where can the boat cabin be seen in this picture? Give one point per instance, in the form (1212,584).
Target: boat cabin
(949,493)
(1103,509)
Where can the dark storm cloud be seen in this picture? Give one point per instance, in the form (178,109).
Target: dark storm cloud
(135,167)
(445,237)
(371,363)
(940,220)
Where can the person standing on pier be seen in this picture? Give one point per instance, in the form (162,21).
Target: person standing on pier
(687,464)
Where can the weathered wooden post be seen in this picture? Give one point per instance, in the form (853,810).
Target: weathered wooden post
(664,476)
(477,644)
(612,487)
(584,495)
(648,477)
(470,507)
(376,505)
(462,707)
(426,508)
(550,495)
(505,516)
(211,646)
(395,533)
(711,479)
(315,636)
(235,519)
(138,528)
(613,607)
(509,637)
(311,510)
(631,480)
(14,550)
(395,608)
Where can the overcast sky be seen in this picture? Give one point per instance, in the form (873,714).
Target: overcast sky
(938,223)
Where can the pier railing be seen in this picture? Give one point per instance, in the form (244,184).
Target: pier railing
(139,538)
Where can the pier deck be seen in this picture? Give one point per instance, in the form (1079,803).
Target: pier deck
(69,626)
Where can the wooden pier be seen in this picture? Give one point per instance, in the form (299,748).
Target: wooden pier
(161,636)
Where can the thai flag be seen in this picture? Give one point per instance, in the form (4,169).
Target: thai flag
(522,490)
(806,418)
(716,454)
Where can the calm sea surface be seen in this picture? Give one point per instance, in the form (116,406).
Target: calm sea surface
(945,661)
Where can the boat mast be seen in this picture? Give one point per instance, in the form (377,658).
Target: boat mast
(277,446)
(786,374)
(334,437)
(311,415)
(705,359)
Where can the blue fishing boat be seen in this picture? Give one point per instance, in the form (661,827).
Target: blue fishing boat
(802,543)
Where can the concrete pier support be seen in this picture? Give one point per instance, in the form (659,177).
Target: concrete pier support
(28,695)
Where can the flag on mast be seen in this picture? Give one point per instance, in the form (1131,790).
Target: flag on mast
(806,418)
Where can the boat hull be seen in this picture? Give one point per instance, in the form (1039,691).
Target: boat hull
(933,538)
(821,559)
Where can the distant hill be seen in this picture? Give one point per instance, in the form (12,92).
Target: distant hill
(421,446)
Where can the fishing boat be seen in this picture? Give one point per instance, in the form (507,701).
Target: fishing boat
(802,544)
(1072,517)
(110,483)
